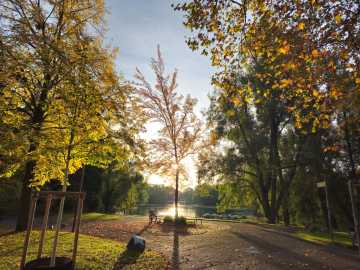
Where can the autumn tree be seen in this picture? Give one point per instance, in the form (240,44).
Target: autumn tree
(60,96)
(180,128)
(311,47)
(318,39)
(260,156)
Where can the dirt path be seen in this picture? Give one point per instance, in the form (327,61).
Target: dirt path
(231,246)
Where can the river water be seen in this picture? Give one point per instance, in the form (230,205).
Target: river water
(187,210)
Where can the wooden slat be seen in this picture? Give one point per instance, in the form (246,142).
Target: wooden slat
(77,227)
(33,202)
(44,224)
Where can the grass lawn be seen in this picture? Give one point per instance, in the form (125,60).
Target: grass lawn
(93,253)
(88,217)
(341,238)
(93,216)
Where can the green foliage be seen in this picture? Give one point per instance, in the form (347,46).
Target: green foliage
(180,220)
(9,195)
(93,252)
(54,89)
(168,219)
(111,189)
(89,217)
(233,196)
(285,80)
(206,194)
(160,194)
(175,220)
(323,238)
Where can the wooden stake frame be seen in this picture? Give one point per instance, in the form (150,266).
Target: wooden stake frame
(49,196)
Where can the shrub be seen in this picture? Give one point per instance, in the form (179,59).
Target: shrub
(180,221)
(168,219)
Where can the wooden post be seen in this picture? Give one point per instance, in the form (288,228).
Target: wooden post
(44,224)
(29,228)
(324,185)
(77,227)
(356,224)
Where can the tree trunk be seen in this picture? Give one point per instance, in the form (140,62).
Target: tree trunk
(267,208)
(273,163)
(80,190)
(24,207)
(37,121)
(286,212)
(176,193)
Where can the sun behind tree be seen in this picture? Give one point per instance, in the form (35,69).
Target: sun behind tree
(180,129)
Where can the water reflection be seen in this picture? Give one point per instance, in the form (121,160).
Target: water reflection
(182,211)
(185,210)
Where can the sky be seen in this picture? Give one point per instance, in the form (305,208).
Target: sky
(136,27)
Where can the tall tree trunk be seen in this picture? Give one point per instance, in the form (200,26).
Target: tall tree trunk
(285,207)
(37,121)
(273,165)
(268,210)
(176,192)
(80,190)
(24,207)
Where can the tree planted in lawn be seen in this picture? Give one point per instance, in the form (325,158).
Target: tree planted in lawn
(60,95)
(180,128)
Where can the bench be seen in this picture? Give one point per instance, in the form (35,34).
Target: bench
(195,220)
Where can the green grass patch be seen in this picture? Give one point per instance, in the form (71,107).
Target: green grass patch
(341,238)
(93,253)
(88,217)
(93,216)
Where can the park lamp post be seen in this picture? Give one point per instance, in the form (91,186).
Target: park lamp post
(324,185)
(351,184)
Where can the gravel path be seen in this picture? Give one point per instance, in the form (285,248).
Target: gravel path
(231,246)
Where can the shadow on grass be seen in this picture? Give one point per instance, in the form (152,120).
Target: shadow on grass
(20,247)
(126,258)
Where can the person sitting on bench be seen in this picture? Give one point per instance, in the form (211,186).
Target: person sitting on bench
(152,217)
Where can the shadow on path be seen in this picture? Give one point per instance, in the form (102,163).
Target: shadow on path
(143,229)
(330,248)
(284,257)
(175,260)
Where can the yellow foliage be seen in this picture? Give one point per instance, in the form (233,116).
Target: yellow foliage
(284,49)
(285,83)
(236,100)
(230,113)
(338,19)
(315,53)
